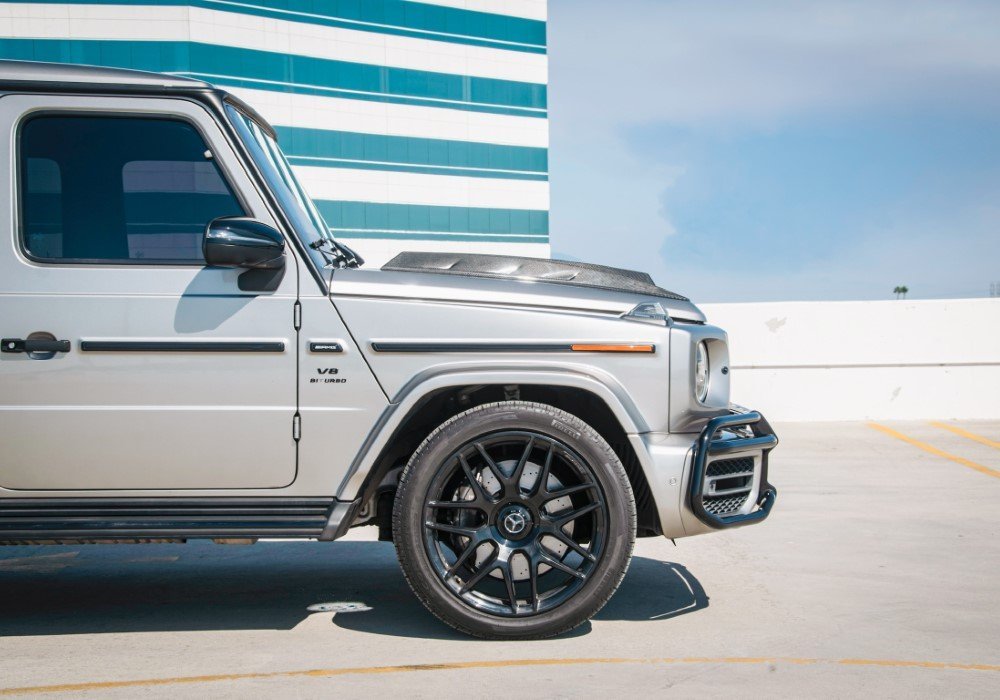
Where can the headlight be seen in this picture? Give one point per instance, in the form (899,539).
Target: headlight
(701,372)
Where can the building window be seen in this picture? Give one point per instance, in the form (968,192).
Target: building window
(118,189)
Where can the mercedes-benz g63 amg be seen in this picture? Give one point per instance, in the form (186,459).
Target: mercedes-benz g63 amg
(188,352)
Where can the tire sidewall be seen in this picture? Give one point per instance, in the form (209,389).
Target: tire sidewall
(605,468)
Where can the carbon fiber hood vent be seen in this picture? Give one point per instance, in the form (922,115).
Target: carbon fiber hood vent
(530,269)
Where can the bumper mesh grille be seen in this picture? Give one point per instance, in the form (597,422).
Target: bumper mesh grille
(730,466)
(725,505)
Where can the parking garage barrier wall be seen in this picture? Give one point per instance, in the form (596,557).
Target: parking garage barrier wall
(898,359)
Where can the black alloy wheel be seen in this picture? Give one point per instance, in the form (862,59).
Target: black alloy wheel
(521,528)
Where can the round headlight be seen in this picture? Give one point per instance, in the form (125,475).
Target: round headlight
(701,372)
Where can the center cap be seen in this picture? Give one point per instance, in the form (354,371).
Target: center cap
(514,521)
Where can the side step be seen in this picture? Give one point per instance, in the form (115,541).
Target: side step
(38,520)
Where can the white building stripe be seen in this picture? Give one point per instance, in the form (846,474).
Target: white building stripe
(412,188)
(62,21)
(167,23)
(530,9)
(336,114)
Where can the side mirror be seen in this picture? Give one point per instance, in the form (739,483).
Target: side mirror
(238,241)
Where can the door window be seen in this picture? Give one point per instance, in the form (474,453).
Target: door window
(118,189)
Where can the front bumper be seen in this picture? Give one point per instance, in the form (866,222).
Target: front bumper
(728,483)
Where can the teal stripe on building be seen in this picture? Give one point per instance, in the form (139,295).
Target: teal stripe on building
(396,17)
(416,221)
(343,149)
(291,73)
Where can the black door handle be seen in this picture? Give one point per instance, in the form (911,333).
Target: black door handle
(33,345)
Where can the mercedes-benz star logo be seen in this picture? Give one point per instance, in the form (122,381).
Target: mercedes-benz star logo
(515,522)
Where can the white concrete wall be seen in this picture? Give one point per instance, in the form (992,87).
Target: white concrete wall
(865,360)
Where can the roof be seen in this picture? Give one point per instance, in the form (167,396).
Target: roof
(20,73)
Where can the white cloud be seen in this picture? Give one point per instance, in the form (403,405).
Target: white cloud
(636,61)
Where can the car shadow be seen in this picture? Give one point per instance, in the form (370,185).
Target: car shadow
(201,586)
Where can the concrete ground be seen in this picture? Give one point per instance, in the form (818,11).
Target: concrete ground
(877,573)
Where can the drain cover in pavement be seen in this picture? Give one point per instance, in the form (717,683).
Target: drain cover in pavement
(340,607)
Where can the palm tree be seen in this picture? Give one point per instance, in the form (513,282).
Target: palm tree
(901,290)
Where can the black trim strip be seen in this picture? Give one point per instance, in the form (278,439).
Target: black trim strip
(181,346)
(119,531)
(472,347)
(34,519)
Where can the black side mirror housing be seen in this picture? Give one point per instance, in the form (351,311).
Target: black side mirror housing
(238,241)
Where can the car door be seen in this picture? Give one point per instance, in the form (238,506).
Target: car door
(173,378)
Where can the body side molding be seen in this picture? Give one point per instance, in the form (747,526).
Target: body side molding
(438,346)
(182,346)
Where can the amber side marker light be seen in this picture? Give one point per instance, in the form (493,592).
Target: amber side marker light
(614,347)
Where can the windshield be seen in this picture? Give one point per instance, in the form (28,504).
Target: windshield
(302,213)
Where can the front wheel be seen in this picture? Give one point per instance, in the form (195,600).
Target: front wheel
(514,520)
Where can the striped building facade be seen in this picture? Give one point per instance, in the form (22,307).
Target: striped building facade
(413,125)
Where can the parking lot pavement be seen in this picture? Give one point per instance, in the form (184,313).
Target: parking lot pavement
(877,573)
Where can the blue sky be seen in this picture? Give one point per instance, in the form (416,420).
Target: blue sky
(743,151)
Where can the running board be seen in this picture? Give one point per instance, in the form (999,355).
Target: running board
(89,519)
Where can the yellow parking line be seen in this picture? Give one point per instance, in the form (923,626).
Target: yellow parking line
(465,665)
(966,434)
(935,451)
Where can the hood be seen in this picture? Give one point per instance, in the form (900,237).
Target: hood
(499,280)
(530,269)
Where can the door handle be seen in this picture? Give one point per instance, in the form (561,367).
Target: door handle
(33,345)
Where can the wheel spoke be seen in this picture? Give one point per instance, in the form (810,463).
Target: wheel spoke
(573,544)
(455,504)
(452,529)
(474,484)
(486,567)
(569,490)
(573,515)
(508,579)
(559,564)
(497,472)
(541,485)
(462,558)
(515,479)
(533,575)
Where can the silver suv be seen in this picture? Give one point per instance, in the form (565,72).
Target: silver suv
(189,353)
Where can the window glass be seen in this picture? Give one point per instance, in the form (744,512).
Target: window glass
(118,189)
(42,206)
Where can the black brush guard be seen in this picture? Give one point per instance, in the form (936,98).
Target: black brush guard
(761,438)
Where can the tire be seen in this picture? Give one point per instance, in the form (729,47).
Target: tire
(514,520)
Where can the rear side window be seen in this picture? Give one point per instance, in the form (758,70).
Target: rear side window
(118,189)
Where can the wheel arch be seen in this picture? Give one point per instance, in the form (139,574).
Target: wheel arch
(427,402)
